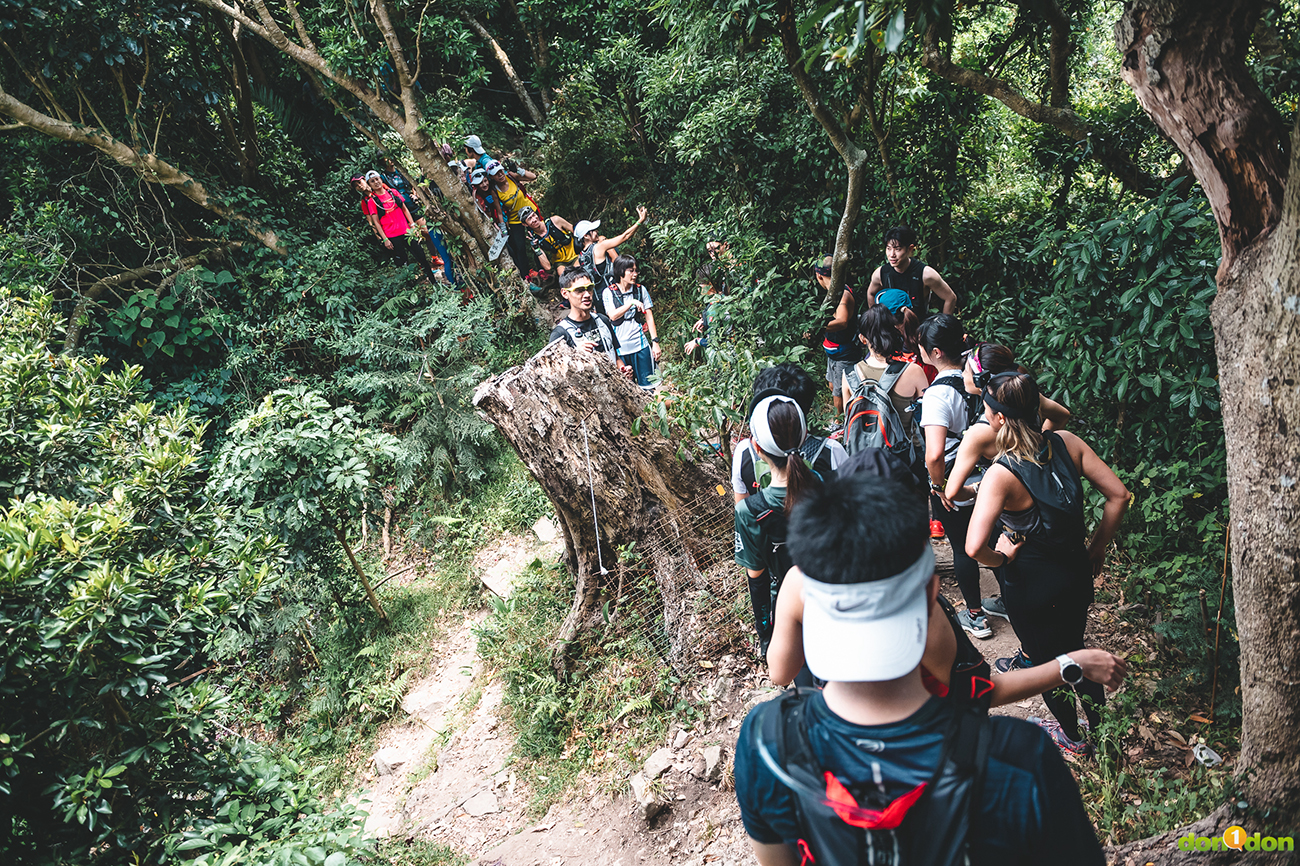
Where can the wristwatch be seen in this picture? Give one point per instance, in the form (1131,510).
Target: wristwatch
(1071,672)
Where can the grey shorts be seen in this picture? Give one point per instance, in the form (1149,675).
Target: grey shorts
(836,368)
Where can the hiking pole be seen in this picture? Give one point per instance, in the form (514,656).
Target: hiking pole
(1223,585)
(591,481)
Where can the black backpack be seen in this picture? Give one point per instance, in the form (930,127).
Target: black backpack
(599,274)
(835,818)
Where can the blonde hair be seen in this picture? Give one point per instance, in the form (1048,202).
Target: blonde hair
(1019,438)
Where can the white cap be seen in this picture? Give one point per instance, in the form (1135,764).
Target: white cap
(584,226)
(867,632)
(494,167)
(477,177)
(474,143)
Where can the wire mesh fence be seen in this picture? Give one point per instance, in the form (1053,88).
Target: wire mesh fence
(680,588)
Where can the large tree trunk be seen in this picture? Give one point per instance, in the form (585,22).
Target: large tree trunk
(1185,60)
(569,415)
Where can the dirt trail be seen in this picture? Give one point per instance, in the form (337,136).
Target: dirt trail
(443,772)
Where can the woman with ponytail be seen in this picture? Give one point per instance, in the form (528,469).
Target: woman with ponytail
(945,416)
(1030,506)
(777,431)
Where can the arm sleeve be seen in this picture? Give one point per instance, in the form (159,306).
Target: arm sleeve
(607,296)
(737,474)
(937,408)
(838,454)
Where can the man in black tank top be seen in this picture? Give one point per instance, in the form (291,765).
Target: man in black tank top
(902,271)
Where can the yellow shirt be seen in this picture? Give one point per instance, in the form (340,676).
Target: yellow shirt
(513,201)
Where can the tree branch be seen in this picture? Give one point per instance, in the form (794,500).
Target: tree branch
(96,290)
(539,120)
(148,165)
(1064,119)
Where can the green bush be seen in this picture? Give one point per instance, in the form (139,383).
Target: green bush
(120,587)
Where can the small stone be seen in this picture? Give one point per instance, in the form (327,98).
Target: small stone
(712,763)
(658,763)
(647,799)
(387,760)
(546,530)
(482,803)
(697,767)
(680,741)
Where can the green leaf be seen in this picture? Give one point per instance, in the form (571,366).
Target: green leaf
(895,32)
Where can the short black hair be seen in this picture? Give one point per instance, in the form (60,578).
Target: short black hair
(621,266)
(944,332)
(858,528)
(792,381)
(571,276)
(905,236)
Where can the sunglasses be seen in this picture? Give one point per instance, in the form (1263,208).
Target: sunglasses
(582,290)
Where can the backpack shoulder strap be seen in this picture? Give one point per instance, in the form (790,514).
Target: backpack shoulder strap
(759,508)
(572,327)
(892,374)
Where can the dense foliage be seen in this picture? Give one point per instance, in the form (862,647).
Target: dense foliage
(121,586)
(183,488)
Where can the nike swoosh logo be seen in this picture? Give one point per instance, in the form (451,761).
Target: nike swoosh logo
(850,608)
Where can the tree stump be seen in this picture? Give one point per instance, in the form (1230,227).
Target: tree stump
(650,491)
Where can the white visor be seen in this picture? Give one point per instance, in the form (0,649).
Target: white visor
(867,632)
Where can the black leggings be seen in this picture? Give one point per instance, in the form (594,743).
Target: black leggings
(1049,625)
(966,570)
(404,251)
(520,249)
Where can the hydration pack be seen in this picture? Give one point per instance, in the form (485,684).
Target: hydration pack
(873,422)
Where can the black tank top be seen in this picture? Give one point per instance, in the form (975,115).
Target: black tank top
(1054,523)
(910,280)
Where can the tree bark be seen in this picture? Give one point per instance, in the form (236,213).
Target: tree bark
(149,166)
(503,59)
(1186,61)
(555,409)
(854,156)
(1163,848)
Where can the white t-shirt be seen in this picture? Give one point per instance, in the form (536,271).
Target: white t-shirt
(631,337)
(943,406)
(837,452)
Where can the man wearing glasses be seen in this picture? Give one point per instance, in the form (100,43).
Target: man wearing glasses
(583,329)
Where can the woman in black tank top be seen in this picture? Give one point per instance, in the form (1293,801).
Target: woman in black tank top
(1029,518)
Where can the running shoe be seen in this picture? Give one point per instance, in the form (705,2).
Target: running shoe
(1017,662)
(994,607)
(936,529)
(1078,748)
(976,625)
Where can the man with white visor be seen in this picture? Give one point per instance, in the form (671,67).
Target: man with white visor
(876,769)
